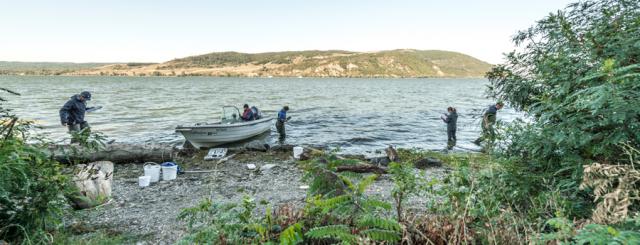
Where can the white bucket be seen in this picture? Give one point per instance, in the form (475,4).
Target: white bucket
(144,181)
(152,170)
(297,151)
(169,172)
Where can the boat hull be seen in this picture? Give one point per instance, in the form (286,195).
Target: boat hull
(210,135)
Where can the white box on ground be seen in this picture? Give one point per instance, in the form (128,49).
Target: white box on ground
(215,153)
(251,166)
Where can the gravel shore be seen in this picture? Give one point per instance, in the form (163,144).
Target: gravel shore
(151,213)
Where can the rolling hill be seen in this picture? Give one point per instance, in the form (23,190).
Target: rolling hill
(331,63)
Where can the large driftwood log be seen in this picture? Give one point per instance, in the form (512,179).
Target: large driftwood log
(362,168)
(116,153)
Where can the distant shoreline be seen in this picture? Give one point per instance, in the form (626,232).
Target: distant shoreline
(399,63)
(261,77)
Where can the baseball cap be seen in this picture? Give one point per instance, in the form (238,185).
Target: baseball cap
(86,95)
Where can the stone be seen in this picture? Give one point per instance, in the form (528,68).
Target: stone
(251,166)
(384,161)
(267,167)
(428,162)
(256,145)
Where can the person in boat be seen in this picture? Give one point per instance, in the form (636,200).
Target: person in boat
(247,114)
(488,121)
(72,113)
(282,118)
(451,119)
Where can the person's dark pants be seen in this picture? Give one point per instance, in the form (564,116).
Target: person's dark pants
(76,128)
(281,130)
(451,139)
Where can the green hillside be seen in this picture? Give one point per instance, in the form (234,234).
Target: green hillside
(311,63)
(393,63)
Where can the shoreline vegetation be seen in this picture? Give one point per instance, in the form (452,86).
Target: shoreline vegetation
(567,175)
(405,63)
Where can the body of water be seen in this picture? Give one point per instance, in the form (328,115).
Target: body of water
(357,115)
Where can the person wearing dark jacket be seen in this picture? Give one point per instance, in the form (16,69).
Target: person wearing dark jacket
(72,113)
(488,120)
(451,120)
(282,118)
(247,114)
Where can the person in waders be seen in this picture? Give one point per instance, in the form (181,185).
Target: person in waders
(282,118)
(488,121)
(72,113)
(451,120)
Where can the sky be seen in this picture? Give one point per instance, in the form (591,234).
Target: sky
(158,31)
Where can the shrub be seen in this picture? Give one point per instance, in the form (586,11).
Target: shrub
(31,185)
(576,74)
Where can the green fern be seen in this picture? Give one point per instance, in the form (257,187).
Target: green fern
(366,182)
(340,232)
(328,204)
(381,223)
(347,182)
(381,235)
(371,204)
(292,235)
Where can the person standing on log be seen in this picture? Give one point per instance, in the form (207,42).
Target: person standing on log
(488,121)
(72,113)
(451,120)
(282,118)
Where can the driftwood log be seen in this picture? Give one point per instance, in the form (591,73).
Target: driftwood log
(362,168)
(116,153)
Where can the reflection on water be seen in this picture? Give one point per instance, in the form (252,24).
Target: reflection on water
(357,115)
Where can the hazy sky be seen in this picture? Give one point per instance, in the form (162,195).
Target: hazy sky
(156,31)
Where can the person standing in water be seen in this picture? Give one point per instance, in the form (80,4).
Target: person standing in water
(451,120)
(72,113)
(282,118)
(488,121)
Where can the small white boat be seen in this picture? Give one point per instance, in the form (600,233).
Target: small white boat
(229,129)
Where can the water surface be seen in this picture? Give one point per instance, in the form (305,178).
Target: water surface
(357,115)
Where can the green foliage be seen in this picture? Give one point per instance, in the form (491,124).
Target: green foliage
(339,232)
(31,185)
(209,222)
(322,178)
(566,233)
(352,216)
(576,74)
(405,184)
(292,235)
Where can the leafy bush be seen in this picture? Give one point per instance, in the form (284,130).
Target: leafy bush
(576,74)
(565,232)
(31,185)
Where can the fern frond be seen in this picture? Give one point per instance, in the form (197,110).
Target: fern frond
(371,204)
(292,235)
(382,235)
(340,232)
(366,182)
(381,223)
(328,204)
(347,182)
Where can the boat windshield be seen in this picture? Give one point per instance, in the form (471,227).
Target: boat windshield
(230,114)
